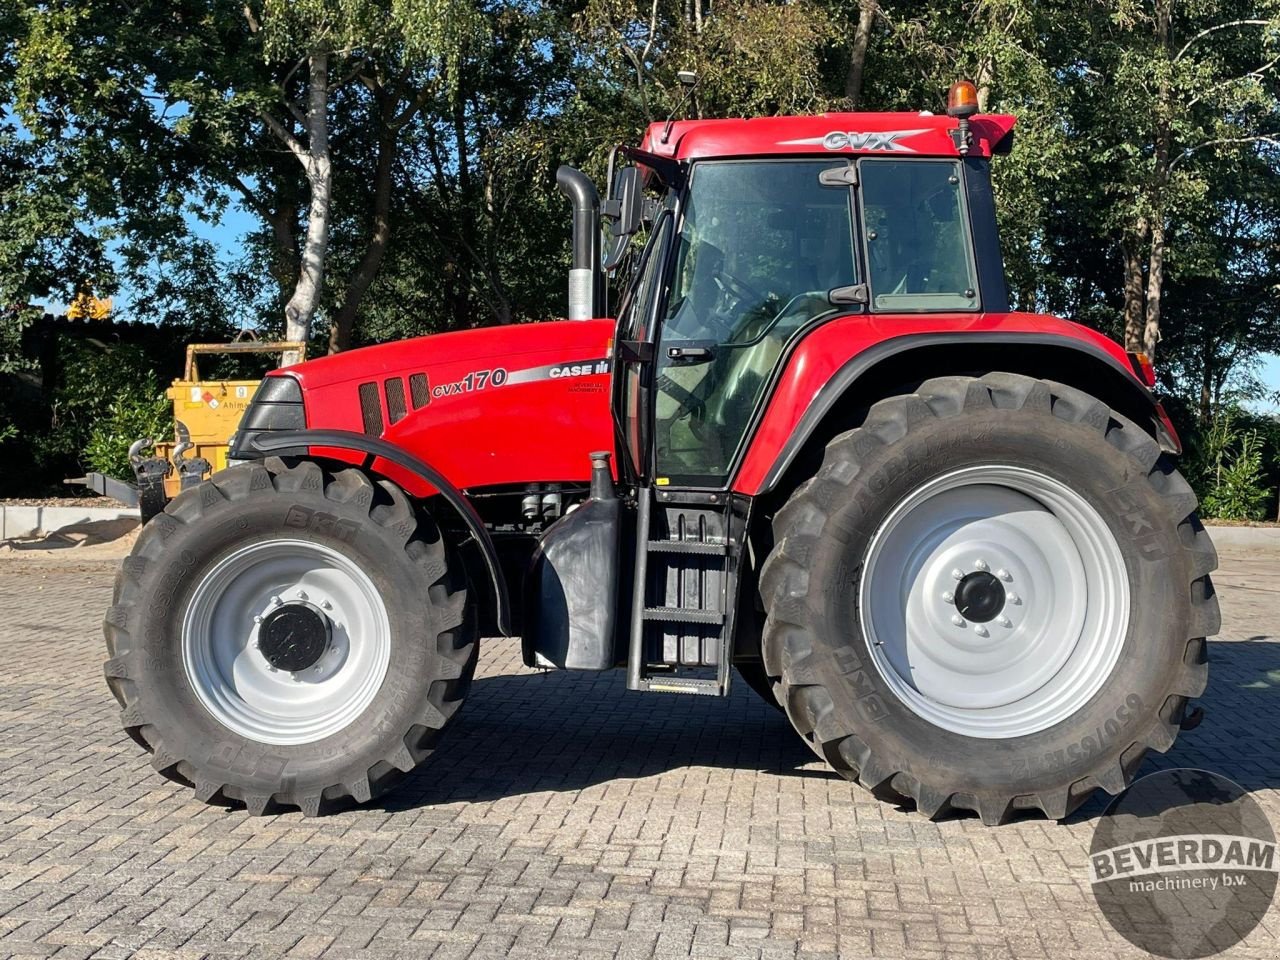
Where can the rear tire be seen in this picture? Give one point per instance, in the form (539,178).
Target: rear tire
(914,704)
(264,720)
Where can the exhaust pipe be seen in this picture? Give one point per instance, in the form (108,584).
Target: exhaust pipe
(584,277)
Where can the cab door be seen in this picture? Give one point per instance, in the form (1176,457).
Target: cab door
(634,348)
(765,251)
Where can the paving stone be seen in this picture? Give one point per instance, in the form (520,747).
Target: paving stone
(564,817)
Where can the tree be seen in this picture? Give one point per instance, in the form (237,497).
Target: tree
(215,95)
(399,51)
(1179,85)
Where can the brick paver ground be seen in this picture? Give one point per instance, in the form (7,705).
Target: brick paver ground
(564,817)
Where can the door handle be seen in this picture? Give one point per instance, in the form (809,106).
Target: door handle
(689,356)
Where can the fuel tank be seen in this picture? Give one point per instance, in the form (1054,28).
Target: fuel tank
(497,405)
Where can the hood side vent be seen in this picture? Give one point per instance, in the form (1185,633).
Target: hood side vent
(371,409)
(419,395)
(394,387)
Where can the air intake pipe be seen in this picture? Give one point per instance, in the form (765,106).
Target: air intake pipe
(584,277)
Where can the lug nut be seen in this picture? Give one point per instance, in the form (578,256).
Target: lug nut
(275,601)
(1004,574)
(957,574)
(1006,622)
(257,618)
(981,565)
(958,620)
(302,594)
(948,596)
(1013,598)
(326,605)
(980,630)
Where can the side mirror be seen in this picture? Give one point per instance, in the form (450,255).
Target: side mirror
(628,200)
(623,213)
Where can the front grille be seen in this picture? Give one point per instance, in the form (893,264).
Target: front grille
(371,409)
(418,393)
(395,399)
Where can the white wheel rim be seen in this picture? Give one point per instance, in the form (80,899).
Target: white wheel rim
(1060,626)
(234,680)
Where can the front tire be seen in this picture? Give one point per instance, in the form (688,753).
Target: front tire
(894,643)
(286,636)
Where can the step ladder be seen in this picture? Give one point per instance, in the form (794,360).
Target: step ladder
(689,549)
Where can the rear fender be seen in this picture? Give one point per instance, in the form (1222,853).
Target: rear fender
(817,397)
(386,459)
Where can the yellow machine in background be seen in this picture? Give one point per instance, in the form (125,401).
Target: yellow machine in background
(207,412)
(205,415)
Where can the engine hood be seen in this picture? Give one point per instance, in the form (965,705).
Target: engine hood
(525,403)
(511,344)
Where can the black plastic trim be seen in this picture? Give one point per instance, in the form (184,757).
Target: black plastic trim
(855,368)
(269,415)
(985,235)
(278,388)
(287,440)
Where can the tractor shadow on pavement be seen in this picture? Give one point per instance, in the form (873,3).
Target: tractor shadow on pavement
(526,733)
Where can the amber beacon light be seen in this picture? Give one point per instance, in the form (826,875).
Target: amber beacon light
(962,103)
(962,99)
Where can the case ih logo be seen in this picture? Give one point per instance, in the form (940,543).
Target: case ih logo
(849,140)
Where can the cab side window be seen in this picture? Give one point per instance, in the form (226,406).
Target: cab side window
(919,253)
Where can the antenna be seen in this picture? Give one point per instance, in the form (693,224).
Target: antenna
(688,79)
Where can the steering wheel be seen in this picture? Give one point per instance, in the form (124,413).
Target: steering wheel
(738,289)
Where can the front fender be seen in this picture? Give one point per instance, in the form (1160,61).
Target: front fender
(369,450)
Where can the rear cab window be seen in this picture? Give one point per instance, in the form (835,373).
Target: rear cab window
(918,248)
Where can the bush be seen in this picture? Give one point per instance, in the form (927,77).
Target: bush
(1233,482)
(134,414)
(103,400)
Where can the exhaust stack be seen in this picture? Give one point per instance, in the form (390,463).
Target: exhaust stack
(584,277)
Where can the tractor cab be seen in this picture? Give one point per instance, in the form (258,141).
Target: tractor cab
(725,243)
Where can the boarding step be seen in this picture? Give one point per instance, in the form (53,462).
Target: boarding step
(708,687)
(689,546)
(688,554)
(683,615)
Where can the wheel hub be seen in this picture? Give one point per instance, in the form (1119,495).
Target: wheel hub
(286,641)
(995,601)
(294,636)
(980,597)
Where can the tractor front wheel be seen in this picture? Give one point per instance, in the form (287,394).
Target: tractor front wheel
(286,636)
(992,596)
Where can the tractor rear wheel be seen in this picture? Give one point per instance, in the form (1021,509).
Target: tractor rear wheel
(286,636)
(993,596)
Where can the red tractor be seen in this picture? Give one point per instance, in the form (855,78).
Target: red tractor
(815,444)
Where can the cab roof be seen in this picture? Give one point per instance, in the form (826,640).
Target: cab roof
(849,133)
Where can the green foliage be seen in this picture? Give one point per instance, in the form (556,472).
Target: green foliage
(135,413)
(99,396)
(126,122)
(423,32)
(1231,473)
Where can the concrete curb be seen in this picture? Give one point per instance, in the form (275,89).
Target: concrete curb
(25,522)
(1264,537)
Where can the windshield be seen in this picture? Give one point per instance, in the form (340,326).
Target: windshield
(761,245)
